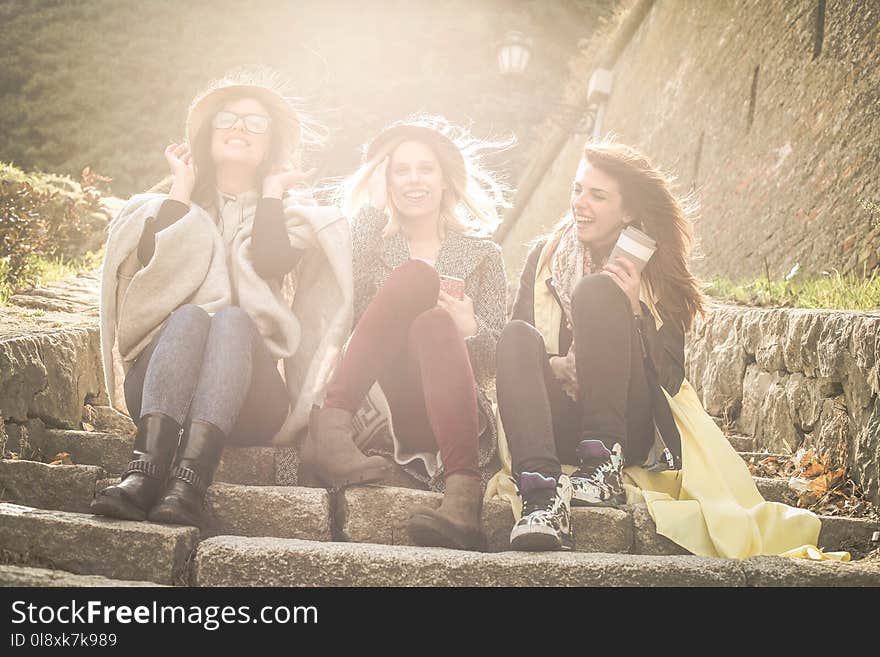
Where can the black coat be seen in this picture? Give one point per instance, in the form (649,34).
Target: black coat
(664,349)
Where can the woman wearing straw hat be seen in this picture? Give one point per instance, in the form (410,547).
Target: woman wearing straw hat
(197,306)
(430,303)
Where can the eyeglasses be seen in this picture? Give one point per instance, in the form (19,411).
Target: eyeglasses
(254,123)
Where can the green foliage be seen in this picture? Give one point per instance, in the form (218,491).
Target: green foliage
(832,291)
(44,218)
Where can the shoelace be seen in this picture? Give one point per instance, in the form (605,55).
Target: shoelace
(538,503)
(587,472)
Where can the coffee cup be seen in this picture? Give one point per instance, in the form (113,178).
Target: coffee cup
(635,246)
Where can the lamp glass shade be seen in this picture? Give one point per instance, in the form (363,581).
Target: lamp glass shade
(514,56)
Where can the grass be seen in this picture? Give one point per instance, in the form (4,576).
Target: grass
(833,290)
(50,270)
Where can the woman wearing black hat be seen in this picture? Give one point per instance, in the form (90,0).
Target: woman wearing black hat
(430,297)
(196,307)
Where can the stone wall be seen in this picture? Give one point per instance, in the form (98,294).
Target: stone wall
(776,137)
(795,378)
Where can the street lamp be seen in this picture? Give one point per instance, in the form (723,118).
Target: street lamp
(515,53)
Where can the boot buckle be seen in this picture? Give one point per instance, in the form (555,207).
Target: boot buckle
(146,468)
(191,477)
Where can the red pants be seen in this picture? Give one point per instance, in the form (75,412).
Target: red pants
(413,349)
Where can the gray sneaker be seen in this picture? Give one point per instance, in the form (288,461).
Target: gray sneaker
(597,482)
(546,517)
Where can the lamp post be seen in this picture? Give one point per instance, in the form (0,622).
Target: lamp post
(514,55)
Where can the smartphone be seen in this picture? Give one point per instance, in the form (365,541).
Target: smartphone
(452,286)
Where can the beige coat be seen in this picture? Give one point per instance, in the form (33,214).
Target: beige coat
(304,319)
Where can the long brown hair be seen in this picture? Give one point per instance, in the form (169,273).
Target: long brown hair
(648,199)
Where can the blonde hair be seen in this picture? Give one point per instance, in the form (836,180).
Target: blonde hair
(648,199)
(474,195)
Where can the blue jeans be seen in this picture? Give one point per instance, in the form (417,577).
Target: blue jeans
(210,369)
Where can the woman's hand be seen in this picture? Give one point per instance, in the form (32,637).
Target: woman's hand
(624,273)
(462,313)
(565,370)
(180,162)
(377,188)
(282,179)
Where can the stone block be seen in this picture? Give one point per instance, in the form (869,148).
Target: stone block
(61,487)
(279,511)
(92,545)
(241,561)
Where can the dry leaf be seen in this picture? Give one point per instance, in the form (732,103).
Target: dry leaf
(835,477)
(62,458)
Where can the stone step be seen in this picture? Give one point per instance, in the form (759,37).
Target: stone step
(249,466)
(378,514)
(243,561)
(90,545)
(28,576)
(742,443)
(747,456)
(280,511)
(775,490)
(111,452)
(59,487)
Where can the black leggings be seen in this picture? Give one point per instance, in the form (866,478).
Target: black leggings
(543,425)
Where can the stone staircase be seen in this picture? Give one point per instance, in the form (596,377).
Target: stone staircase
(261,533)
(266,531)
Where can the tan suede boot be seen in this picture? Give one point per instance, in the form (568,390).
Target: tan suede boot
(456,524)
(329,452)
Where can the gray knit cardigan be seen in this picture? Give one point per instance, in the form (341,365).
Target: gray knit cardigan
(476,260)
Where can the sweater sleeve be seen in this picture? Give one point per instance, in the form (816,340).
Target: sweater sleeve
(273,255)
(488,290)
(366,242)
(169,212)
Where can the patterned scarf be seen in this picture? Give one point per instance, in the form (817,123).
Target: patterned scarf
(569,264)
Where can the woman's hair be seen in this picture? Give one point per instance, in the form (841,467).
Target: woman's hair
(473,196)
(311,136)
(648,199)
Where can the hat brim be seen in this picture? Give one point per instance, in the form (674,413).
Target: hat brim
(409,131)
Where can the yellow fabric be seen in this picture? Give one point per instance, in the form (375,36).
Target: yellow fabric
(815,554)
(711,507)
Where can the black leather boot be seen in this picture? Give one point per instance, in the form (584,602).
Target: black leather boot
(183,500)
(141,483)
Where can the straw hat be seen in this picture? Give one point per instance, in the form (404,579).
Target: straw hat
(421,127)
(263,88)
